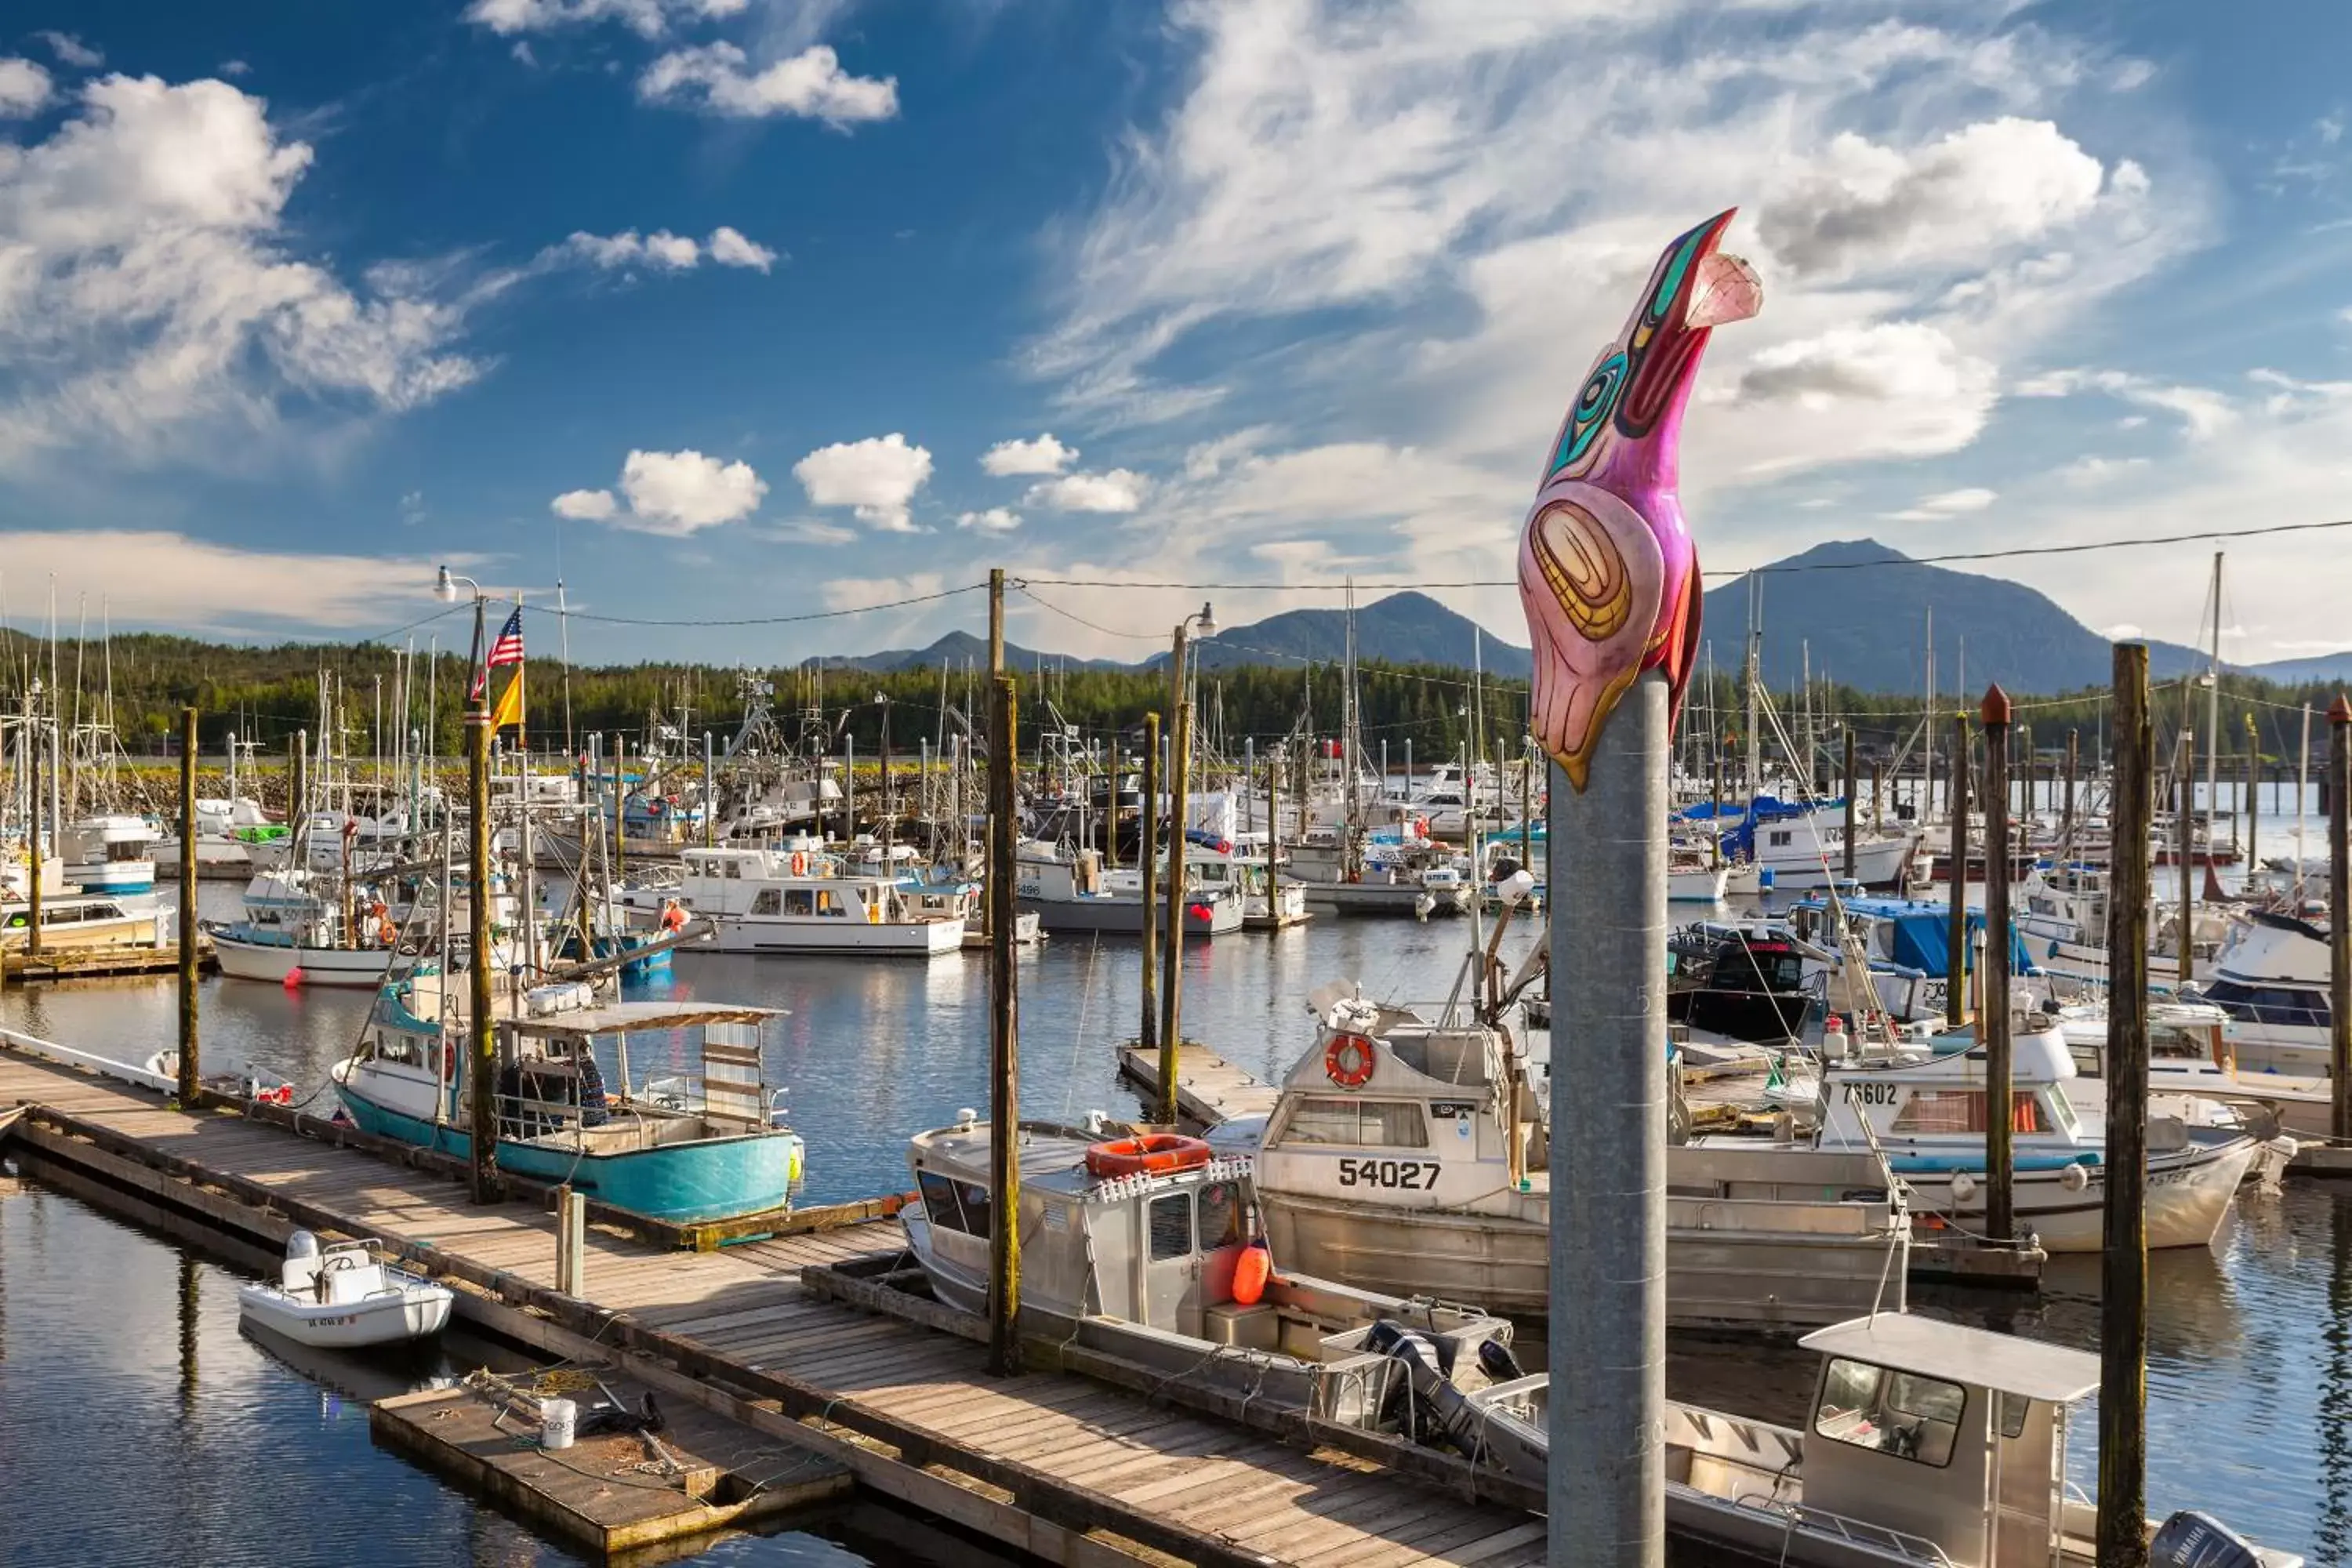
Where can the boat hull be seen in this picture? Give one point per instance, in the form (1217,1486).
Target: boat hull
(909,938)
(1755,1282)
(2188,1196)
(683,1184)
(113,877)
(244,960)
(1124,917)
(409,1313)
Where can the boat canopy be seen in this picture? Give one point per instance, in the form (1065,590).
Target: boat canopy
(1739,835)
(1919,933)
(1956,1353)
(635,1017)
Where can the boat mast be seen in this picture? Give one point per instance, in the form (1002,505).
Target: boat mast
(2301,778)
(1755,673)
(1928,726)
(2213,718)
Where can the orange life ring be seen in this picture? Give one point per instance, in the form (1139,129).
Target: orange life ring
(1348,1060)
(800,862)
(1150,1153)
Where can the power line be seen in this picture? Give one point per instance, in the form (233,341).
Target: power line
(762,620)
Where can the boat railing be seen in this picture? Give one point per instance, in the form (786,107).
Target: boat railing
(1858,1532)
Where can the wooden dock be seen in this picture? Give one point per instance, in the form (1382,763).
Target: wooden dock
(1209,1088)
(21,968)
(1050,1463)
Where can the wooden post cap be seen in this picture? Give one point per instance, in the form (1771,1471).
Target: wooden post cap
(2340,710)
(1996,710)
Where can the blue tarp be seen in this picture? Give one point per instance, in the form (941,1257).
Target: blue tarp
(1739,838)
(1920,936)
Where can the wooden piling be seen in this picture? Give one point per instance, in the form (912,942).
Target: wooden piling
(2073,765)
(481,1081)
(1956,935)
(1147,839)
(1171,981)
(1003,1044)
(1877,798)
(1715,823)
(190,935)
(2123,1266)
(1273,846)
(2252,794)
(38,743)
(2339,917)
(2184,839)
(1849,783)
(572,1242)
(1992,1017)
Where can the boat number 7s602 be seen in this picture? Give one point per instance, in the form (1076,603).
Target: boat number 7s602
(1410,1175)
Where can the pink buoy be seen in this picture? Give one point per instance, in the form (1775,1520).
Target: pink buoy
(294,978)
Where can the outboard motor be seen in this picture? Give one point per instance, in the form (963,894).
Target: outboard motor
(2193,1540)
(1495,1360)
(1420,1353)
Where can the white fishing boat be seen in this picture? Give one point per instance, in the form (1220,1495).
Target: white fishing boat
(2065,919)
(802,898)
(1803,844)
(2193,1056)
(1925,1104)
(1412,1157)
(1073,890)
(345,1298)
(294,923)
(1930,1445)
(2271,977)
(227,833)
(111,853)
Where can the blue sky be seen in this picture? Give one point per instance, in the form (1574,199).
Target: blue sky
(718,308)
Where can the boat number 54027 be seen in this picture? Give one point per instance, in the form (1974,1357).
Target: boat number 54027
(1411,1175)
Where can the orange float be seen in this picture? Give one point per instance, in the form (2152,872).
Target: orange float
(1148,1154)
(1250,1273)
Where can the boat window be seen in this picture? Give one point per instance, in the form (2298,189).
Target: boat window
(1172,1226)
(1220,1216)
(2269,1004)
(770,901)
(826,904)
(1375,1124)
(2013,1410)
(735,870)
(954,1206)
(799,901)
(1896,1413)
(1962,1111)
(1780,839)
(2059,1111)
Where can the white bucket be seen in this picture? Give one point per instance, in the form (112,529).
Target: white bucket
(555,1423)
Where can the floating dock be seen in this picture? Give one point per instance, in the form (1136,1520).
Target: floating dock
(22,968)
(611,1492)
(1209,1088)
(1055,1464)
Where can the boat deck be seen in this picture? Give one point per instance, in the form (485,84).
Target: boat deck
(1050,1463)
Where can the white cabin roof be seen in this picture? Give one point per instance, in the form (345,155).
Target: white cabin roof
(1977,1357)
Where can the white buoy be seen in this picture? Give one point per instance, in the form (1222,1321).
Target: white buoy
(557,1418)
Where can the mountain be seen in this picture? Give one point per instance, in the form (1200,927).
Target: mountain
(957,649)
(2296,671)
(1403,628)
(1860,611)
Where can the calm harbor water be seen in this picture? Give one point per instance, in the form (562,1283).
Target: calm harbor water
(2251,1354)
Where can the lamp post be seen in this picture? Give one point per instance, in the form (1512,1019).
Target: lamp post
(1180,755)
(481,1065)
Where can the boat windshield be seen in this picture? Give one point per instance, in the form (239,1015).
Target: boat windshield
(1889,1412)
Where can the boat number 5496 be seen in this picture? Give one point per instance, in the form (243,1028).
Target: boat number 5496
(1412,1175)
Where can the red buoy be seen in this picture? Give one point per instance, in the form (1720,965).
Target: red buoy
(1251,1272)
(293,981)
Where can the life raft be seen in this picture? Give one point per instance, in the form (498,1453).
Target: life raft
(1148,1153)
(1348,1060)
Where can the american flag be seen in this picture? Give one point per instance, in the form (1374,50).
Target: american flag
(506,650)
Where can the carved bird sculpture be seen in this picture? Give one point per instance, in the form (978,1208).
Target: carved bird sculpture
(1607,570)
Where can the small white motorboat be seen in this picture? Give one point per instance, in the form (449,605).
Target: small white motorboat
(344,1299)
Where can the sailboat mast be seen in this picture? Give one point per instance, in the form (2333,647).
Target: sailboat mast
(2213,717)
(1755,674)
(1927,725)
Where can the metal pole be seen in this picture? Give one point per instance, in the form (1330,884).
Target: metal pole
(709,794)
(1173,938)
(1715,823)
(2073,766)
(2253,794)
(1607,1470)
(1003,1047)
(1955,938)
(2339,916)
(482,1069)
(2123,1265)
(189,1076)
(1147,827)
(1273,841)
(1993,1022)
(1850,782)
(2184,839)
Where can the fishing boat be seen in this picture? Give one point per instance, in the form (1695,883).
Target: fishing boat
(1930,1445)
(227,832)
(800,898)
(2192,1057)
(1139,1248)
(85,923)
(1412,1157)
(1738,981)
(2271,977)
(296,921)
(1923,1102)
(1075,891)
(1245,870)
(1906,944)
(344,1298)
(111,853)
(2064,917)
(701,1144)
(1803,844)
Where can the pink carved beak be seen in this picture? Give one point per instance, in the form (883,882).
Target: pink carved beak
(1727,290)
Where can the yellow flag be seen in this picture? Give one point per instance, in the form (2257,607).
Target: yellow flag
(510,707)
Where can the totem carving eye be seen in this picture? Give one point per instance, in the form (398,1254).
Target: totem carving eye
(1592,410)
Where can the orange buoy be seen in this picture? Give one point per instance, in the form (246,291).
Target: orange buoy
(1150,1153)
(1250,1273)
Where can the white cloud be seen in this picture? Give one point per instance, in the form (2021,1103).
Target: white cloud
(24,89)
(72,50)
(2084,472)
(995,519)
(586,506)
(730,248)
(1947,504)
(235,69)
(2205,413)
(152,577)
(648,18)
(810,85)
(877,477)
(1044,455)
(2123,631)
(680,492)
(1889,389)
(148,301)
(1119,489)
